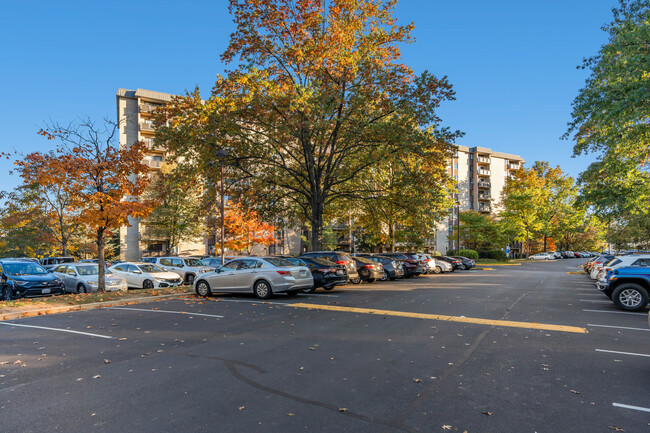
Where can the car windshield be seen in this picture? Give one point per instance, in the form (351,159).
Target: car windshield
(88,270)
(278,262)
(150,268)
(363,260)
(192,262)
(297,262)
(25,268)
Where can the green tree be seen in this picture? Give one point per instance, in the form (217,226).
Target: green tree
(178,215)
(318,96)
(611,115)
(482,232)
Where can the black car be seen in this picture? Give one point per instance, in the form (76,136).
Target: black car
(393,268)
(326,274)
(369,270)
(340,258)
(412,265)
(466,262)
(454,262)
(19,279)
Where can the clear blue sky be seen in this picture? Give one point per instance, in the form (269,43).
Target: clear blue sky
(512,64)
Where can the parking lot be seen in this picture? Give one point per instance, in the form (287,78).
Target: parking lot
(530,348)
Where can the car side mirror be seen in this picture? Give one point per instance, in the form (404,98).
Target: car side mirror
(137,272)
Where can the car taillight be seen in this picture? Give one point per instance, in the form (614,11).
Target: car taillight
(284,273)
(341,262)
(369,266)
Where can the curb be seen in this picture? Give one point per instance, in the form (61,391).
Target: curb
(82,307)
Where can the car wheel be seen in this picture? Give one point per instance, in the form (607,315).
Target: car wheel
(6,294)
(262,290)
(310,290)
(437,270)
(292,293)
(328,287)
(147,284)
(81,288)
(371,280)
(386,276)
(203,289)
(356,280)
(190,279)
(465,267)
(630,297)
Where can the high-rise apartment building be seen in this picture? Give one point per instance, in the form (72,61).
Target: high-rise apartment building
(481,174)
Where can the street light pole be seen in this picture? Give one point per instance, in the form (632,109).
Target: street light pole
(221,154)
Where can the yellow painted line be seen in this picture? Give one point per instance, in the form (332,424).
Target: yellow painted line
(487,269)
(507,323)
(577,273)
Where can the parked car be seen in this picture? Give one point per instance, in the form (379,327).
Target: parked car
(621,262)
(141,275)
(542,256)
(262,276)
(598,266)
(454,262)
(215,262)
(188,268)
(84,278)
(412,266)
(50,262)
(393,268)
(628,287)
(466,262)
(96,261)
(340,258)
(21,279)
(369,270)
(326,274)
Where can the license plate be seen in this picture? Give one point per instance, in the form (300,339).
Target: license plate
(44,291)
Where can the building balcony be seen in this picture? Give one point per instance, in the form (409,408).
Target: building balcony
(151,144)
(484,185)
(153,163)
(514,166)
(486,209)
(147,108)
(484,197)
(483,159)
(147,127)
(483,172)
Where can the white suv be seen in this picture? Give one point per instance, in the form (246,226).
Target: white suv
(187,267)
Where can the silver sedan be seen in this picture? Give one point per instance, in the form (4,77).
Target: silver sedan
(83,278)
(262,276)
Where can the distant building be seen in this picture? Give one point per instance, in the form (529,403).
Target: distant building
(481,174)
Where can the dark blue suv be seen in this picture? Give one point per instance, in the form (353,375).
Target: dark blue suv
(629,287)
(20,279)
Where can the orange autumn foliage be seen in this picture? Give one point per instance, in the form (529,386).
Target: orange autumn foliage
(245,229)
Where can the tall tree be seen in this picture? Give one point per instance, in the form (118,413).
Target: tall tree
(178,214)
(245,229)
(104,182)
(318,96)
(611,115)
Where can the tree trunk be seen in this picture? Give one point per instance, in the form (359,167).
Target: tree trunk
(101,278)
(545,238)
(527,242)
(317,207)
(391,236)
(64,248)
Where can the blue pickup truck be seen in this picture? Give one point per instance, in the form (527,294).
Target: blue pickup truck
(628,287)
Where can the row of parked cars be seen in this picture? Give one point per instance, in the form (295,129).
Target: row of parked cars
(555,255)
(624,278)
(262,276)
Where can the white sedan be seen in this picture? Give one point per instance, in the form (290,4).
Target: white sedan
(542,256)
(146,275)
(261,276)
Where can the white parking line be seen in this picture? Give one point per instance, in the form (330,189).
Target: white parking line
(619,327)
(57,329)
(616,312)
(164,311)
(627,406)
(623,353)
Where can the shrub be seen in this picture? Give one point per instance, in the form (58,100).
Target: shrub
(494,254)
(470,254)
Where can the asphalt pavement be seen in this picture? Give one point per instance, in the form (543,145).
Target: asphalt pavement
(530,348)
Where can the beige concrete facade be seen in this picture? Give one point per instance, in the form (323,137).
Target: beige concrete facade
(481,174)
(135,117)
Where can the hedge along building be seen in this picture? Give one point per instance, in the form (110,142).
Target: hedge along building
(135,110)
(481,174)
